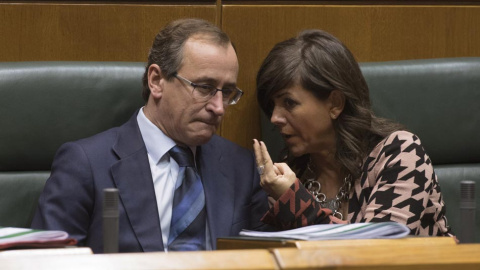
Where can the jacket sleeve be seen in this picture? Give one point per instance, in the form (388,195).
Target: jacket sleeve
(67,198)
(405,188)
(298,208)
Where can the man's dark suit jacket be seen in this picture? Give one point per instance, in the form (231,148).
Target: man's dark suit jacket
(72,198)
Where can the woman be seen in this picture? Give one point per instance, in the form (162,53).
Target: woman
(342,163)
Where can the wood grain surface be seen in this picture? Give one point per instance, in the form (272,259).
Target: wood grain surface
(372,32)
(125,31)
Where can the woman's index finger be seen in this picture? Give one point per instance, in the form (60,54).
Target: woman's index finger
(258,152)
(267,160)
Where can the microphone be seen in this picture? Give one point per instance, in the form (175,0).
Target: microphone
(467,211)
(110,220)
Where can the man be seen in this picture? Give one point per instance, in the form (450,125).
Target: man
(189,81)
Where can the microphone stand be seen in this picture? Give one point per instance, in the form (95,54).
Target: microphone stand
(110,220)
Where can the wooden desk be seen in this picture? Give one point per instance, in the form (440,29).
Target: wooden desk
(464,256)
(238,259)
(403,242)
(416,256)
(255,243)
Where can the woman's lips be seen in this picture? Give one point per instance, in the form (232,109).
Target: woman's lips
(286,137)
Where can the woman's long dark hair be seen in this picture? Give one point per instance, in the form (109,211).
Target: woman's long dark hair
(320,63)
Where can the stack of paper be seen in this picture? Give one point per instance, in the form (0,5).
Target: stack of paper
(22,237)
(69,250)
(338,231)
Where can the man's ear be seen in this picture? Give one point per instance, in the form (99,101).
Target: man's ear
(155,81)
(337,103)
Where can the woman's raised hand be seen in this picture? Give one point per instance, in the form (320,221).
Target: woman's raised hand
(275,178)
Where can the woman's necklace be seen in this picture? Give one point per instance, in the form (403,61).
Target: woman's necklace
(333,204)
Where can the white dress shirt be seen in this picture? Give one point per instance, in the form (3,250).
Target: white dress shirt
(164,172)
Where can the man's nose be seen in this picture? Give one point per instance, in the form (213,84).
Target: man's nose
(216,104)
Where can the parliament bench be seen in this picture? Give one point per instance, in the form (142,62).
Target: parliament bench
(45,104)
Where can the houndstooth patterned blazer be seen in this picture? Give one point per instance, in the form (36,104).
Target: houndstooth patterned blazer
(397,183)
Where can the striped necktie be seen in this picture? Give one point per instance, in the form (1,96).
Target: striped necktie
(188,225)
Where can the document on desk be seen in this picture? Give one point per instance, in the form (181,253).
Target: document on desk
(338,231)
(24,237)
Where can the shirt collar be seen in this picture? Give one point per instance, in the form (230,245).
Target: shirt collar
(156,142)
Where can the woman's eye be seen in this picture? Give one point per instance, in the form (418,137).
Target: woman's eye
(289,103)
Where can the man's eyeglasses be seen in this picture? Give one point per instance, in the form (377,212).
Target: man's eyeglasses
(205,92)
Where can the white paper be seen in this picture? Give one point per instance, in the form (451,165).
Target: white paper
(338,231)
(10,234)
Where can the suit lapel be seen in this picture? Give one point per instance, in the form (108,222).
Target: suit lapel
(219,189)
(133,179)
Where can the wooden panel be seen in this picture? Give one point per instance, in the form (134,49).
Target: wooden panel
(124,32)
(88,32)
(378,257)
(372,32)
(238,259)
